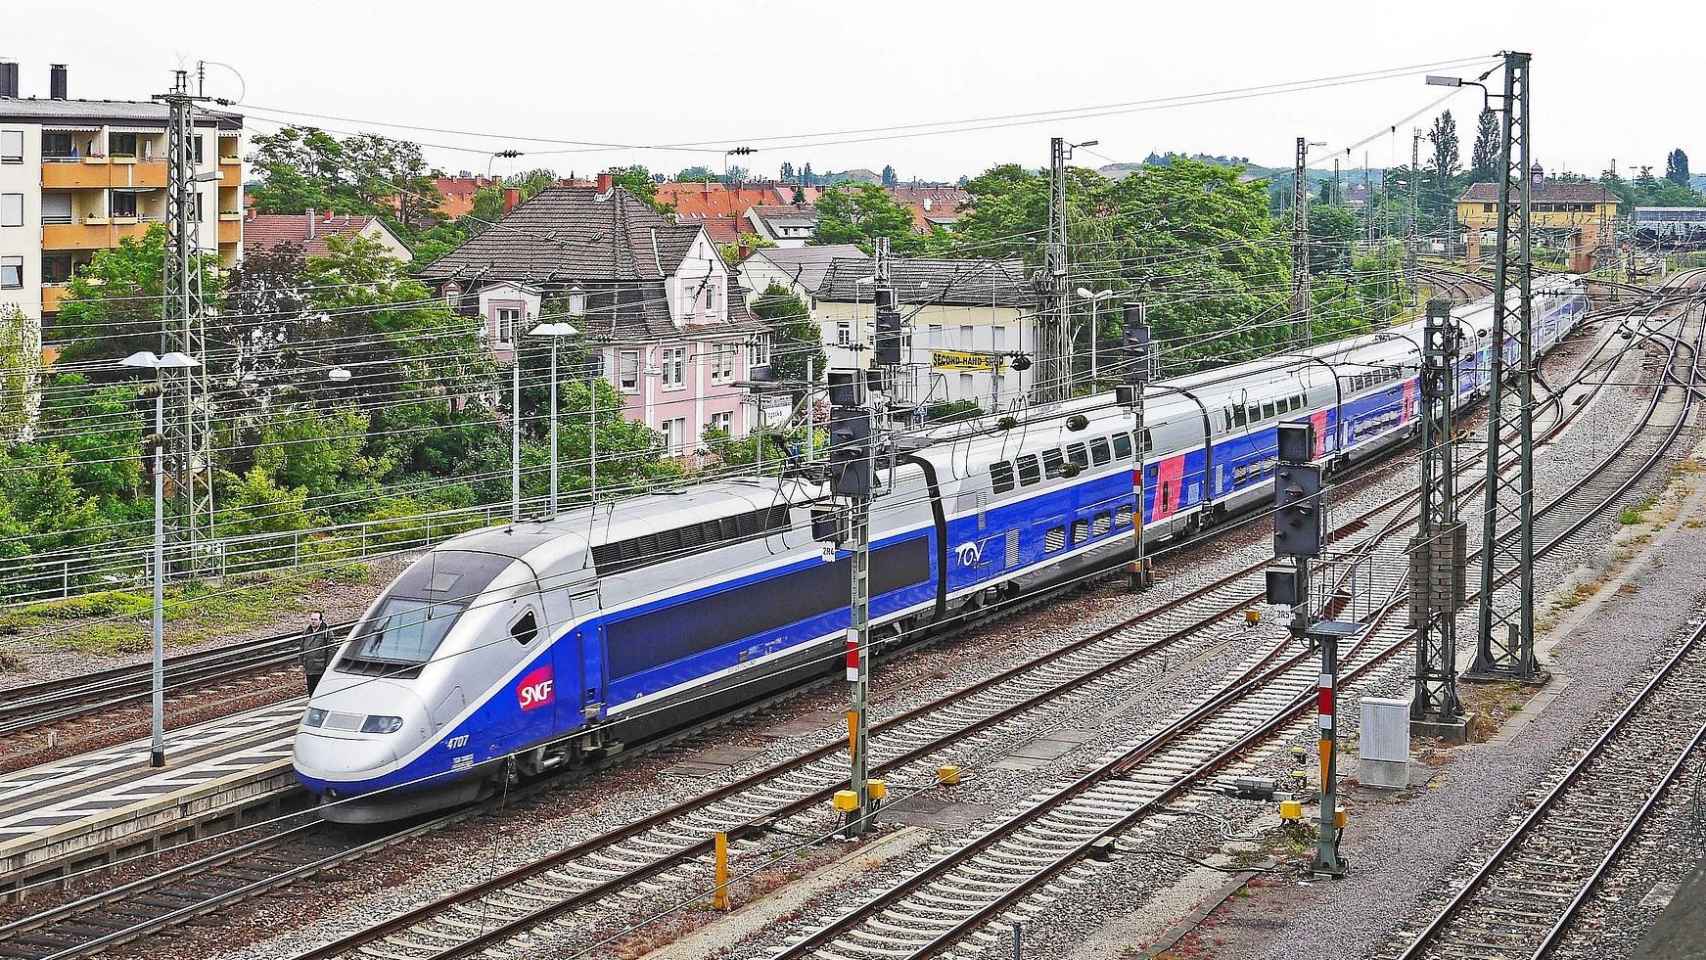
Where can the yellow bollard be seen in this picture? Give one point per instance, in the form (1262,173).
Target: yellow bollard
(1252,617)
(720,899)
(1291,811)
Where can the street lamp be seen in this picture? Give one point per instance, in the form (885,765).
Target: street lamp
(148,361)
(556,332)
(1094,298)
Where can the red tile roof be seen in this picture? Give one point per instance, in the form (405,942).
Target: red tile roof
(263,231)
(718,200)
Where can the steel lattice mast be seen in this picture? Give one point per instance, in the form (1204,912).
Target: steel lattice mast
(1300,248)
(1054,366)
(1437,551)
(1505,622)
(182,328)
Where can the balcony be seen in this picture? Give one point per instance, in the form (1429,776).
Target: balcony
(97,173)
(230,171)
(51,295)
(230,231)
(94,233)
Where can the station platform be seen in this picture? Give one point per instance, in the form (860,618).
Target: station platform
(107,804)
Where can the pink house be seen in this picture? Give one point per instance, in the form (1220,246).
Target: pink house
(663,312)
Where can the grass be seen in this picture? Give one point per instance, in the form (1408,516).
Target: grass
(119,621)
(1636,512)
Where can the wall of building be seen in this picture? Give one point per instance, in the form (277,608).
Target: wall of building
(936,327)
(24,241)
(701,397)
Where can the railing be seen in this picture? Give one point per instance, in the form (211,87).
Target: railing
(56,218)
(63,574)
(71,158)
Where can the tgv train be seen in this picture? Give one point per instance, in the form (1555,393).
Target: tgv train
(510,651)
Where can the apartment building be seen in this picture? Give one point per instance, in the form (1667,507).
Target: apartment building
(78,176)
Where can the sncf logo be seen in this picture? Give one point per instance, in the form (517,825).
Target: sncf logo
(538,688)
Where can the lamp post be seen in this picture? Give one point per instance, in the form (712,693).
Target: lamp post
(577,310)
(556,332)
(1094,298)
(148,361)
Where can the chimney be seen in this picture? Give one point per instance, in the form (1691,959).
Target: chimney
(56,85)
(605,182)
(8,78)
(512,196)
(1537,173)
(310,223)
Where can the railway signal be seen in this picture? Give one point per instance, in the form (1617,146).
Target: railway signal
(1298,516)
(1135,343)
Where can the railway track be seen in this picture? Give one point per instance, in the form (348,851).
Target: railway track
(660,844)
(936,908)
(34,705)
(1524,896)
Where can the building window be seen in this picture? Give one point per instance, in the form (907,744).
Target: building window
(712,292)
(11,146)
(56,268)
(968,389)
(844,333)
(758,351)
(196,147)
(724,421)
(56,146)
(628,365)
(675,435)
(674,367)
(11,209)
(508,319)
(966,339)
(11,273)
(935,332)
(123,204)
(121,144)
(998,339)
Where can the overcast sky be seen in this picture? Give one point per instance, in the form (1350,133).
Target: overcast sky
(1610,79)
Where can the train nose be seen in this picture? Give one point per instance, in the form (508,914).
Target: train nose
(358,733)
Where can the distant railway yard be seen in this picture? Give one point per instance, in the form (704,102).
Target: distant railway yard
(1094,772)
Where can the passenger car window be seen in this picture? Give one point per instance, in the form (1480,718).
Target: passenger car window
(1029,473)
(1077,454)
(1052,463)
(1001,476)
(1122,446)
(1099,451)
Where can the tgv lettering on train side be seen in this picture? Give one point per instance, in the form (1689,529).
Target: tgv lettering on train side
(537,689)
(970,553)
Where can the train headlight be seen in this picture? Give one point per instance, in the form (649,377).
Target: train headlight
(315,717)
(378,724)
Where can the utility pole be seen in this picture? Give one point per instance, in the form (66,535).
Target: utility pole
(1300,246)
(182,330)
(1053,362)
(1505,626)
(1413,247)
(1438,552)
(1137,349)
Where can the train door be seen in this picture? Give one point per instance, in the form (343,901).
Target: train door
(586,647)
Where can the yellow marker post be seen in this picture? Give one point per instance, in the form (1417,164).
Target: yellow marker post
(852,731)
(720,899)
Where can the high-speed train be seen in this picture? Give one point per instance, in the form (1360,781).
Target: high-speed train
(510,651)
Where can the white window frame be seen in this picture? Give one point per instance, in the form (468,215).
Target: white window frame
(844,333)
(674,435)
(9,263)
(968,336)
(724,421)
(508,320)
(758,350)
(968,387)
(112,205)
(998,338)
(8,152)
(934,331)
(11,209)
(674,368)
(628,371)
(711,290)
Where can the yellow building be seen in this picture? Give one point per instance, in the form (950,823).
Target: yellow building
(77,176)
(1575,216)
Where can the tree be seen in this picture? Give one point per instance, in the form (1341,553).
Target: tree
(808,178)
(861,212)
(889,178)
(1676,167)
(795,340)
(1484,162)
(99,432)
(20,369)
(786,174)
(1333,231)
(321,453)
(799,195)
(530,182)
(638,181)
(254,505)
(698,174)
(731,252)
(40,501)
(113,306)
(1445,149)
